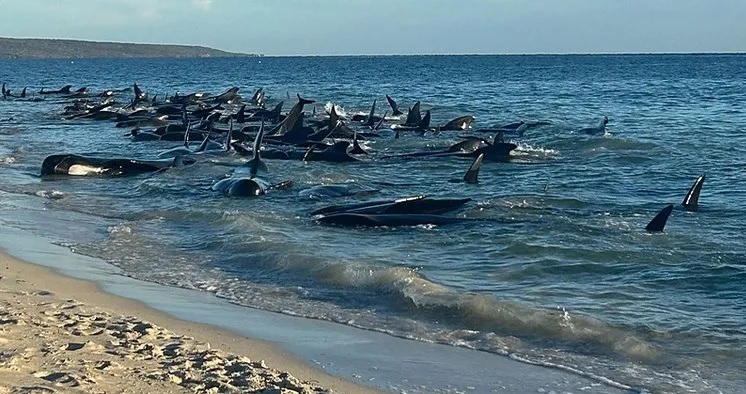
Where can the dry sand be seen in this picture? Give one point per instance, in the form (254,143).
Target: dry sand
(64,335)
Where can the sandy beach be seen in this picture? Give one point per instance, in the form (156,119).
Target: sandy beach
(59,334)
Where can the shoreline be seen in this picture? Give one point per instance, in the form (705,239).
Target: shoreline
(338,356)
(35,301)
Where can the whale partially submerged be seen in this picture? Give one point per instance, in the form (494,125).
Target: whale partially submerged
(77,165)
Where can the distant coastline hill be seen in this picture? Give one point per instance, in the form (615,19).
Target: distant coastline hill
(42,48)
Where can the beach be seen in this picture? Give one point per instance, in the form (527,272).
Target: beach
(59,334)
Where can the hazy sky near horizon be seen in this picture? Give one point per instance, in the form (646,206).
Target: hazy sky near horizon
(321,27)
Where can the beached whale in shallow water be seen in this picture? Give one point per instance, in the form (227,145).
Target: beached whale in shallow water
(407,205)
(335,190)
(461,123)
(251,184)
(336,153)
(64,90)
(77,165)
(388,220)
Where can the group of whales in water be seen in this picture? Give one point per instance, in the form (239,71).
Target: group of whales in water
(331,138)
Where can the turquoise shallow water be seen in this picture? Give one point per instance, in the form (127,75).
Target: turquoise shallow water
(564,274)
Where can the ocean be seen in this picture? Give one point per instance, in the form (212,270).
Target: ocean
(561,272)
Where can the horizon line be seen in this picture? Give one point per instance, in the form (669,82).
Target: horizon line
(261,54)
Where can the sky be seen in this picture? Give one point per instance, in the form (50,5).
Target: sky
(359,27)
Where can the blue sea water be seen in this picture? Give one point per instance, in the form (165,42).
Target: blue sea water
(564,272)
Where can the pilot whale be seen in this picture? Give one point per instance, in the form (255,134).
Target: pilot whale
(240,185)
(77,165)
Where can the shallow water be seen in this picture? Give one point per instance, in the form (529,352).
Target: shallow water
(563,272)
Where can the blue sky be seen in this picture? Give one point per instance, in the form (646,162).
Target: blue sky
(319,27)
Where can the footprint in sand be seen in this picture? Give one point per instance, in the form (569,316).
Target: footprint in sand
(90,346)
(60,378)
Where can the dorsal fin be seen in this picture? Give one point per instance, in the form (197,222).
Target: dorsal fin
(424,123)
(229,136)
(186,135)
(323,133)
(394,106)
(138,92)
(309,152)
(691,200)
(369,120)
(241,116)
(257,94)
(333,117)
(499,138)
(23,93)
(472,175)
(659,221)
(256,164)
(414,117)
(203,146)
(277,112)
(66,89)
(356,148)
(380,122)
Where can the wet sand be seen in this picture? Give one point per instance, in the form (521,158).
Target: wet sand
(59,334)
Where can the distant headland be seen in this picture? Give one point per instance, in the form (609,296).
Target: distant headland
(42,48)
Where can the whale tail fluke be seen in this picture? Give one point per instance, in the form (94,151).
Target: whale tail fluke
(303,101)
(659,221)
(394,106)
(691,200)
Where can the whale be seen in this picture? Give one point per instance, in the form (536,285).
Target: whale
(422,126)
(466,147)
(597,130)
(408,205)
(335,190)
(461,123)
(77,165)
(413,116)
(63,90)
(226,97)
(658,223)
(516,128)
(240,185)
(388,220)
(691,200)
(207,145)
(336,153)
(292,117)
